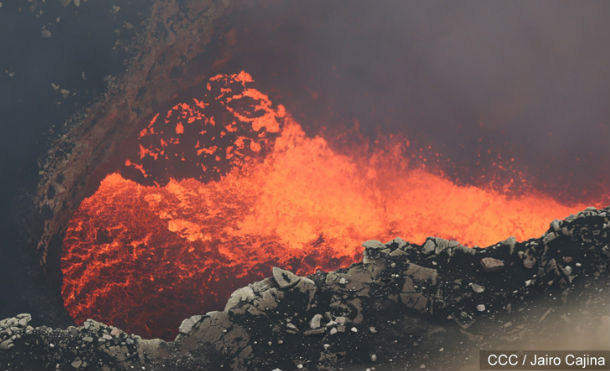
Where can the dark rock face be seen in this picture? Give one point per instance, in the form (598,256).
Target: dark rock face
(177,32)
(405,306)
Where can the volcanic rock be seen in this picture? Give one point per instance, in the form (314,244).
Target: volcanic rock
(492,264)
(6,344)
(285,279)
(422,274)
(373,244)
(373,249)
(187,325)
(315,321)
(412,305)
(400,243)
(478,289)
(239,295)
(529,262)
(429,247)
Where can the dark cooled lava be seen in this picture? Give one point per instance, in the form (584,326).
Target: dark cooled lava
(223,186)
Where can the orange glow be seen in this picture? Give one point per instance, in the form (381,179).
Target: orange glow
(143,257)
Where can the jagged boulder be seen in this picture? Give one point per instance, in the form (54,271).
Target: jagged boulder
(398,305)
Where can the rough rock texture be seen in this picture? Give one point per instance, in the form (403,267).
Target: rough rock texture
(404,307)
(177,34)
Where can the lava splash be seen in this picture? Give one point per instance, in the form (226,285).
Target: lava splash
(222,187)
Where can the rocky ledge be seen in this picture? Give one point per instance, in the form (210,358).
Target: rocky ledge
(404,306)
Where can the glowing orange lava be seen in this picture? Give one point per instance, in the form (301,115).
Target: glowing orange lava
(143,254)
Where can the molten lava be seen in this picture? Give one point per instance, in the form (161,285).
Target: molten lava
(227,185)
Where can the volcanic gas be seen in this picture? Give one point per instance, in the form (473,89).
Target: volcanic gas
(224,186)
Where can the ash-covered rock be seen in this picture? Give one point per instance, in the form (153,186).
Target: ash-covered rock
(93,345)
(405,305)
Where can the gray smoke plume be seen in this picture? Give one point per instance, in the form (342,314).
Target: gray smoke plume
(529,80)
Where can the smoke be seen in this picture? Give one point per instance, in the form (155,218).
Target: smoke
(529,80)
